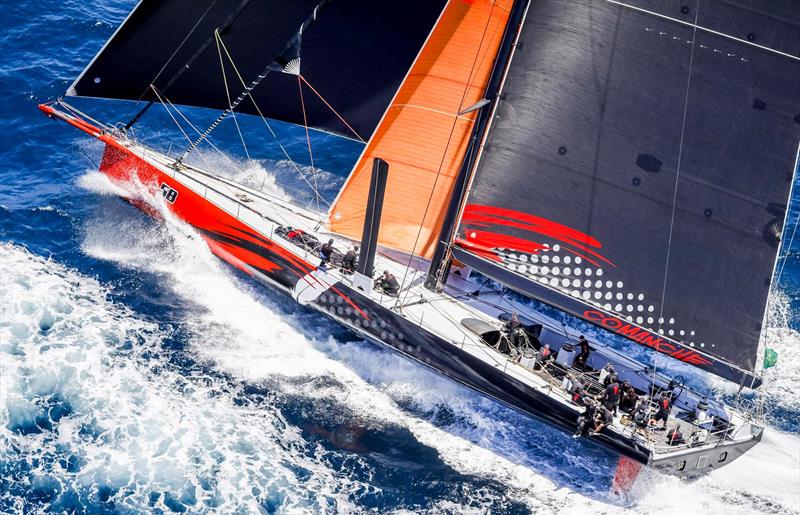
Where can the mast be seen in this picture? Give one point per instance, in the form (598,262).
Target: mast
(440,261)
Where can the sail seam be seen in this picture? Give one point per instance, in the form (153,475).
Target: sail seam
(437,111)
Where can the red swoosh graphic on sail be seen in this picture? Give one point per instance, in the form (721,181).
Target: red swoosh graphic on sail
(476,215)
(484,243)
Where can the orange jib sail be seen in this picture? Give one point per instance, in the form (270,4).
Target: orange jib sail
(422,136)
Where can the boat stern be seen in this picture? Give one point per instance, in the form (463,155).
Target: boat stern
(688,461)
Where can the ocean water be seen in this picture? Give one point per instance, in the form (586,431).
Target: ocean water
(140,374)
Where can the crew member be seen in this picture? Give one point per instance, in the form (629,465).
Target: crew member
(611,396)
(350,260)
(325,253)
(586,418)
(602,418)
(583,355)
(388,283)
(606,374)
(641,414)
(543,356)
(576,390)
(664,406)
(293,233)
(629,397)
(516,333)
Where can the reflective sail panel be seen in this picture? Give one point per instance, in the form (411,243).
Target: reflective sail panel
(422,135)
(354,53)
(638,169)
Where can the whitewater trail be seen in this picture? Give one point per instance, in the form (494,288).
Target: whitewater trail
(87,402)
(241,331)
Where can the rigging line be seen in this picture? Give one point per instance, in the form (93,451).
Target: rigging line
(677,178)
(236,165)
(77,112)
(198,132)
(277,214)
(274,210)
(180,127)
(264,119)
(220,152)
(447,146)
(261,76)
(230,106)
(308,139)
(170,113)
(300,76)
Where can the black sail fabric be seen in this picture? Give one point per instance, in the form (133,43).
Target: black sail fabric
(638,169)
(354,53)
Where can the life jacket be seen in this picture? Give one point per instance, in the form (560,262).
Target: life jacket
(675,437)
(664,404)
(612,392)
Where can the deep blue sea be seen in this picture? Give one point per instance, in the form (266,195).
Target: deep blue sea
(139,374)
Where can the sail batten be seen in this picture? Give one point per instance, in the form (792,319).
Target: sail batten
(355,53)
(667,136)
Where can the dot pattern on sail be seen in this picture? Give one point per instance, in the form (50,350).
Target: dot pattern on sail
(573,276)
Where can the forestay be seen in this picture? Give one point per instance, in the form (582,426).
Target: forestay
(639,166)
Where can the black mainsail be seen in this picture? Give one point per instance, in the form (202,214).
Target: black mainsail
(638,170)
(355,54)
